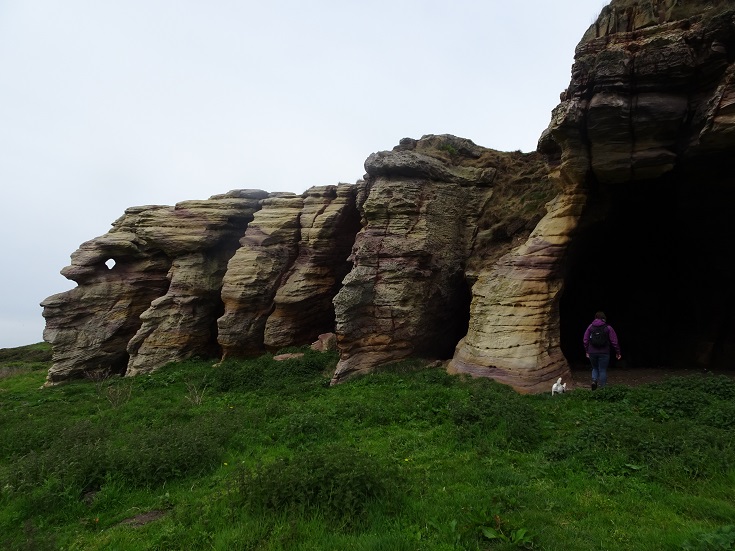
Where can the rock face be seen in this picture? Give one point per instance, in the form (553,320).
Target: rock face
(514,331)
(254,274)
(303,307)
(435,213)
(159,301)
(163,299)
(91,325)
(279,286)
(447,250)
(645,133)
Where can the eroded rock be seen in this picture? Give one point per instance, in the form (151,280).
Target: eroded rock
(302,305)
(433,214)
(159,300)
(463,252)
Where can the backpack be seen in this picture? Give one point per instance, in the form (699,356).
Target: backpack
(599,336)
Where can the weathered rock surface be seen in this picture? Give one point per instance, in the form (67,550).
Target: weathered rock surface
(494,261)
(159,301)
(645,132)
(302,305)
(325,342)
(255,272)
(514,332)
(279,286)
(649,89)
(434,213)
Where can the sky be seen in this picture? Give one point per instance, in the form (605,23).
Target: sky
(108,104)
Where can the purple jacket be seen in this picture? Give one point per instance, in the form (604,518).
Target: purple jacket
(591,349)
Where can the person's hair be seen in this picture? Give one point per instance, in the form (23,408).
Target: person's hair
(601,316)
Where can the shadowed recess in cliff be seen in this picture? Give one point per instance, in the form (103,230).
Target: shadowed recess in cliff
(650,255)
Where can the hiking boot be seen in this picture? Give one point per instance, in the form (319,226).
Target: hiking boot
(594,385)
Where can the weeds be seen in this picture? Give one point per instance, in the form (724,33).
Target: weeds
(114,390)
(494,410)
(119,393)
(483,526)
(195,392)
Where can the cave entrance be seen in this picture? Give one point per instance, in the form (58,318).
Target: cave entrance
(459,322)
(655,258)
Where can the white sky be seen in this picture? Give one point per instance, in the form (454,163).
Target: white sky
(107,104)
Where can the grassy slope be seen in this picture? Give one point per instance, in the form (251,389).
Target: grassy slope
(263,455)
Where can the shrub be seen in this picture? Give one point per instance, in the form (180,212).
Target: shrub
(75,458)
(719,386)
(304,427)
(720,415)
(670,402)
(613,394)
(337,481)
(169,451)
(496,410)
(82,456)
(672,452)
(721,539)
(241,376)
(292,373)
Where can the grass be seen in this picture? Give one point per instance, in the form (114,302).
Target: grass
(265,455)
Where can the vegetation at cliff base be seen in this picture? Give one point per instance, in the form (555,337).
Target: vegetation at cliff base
(264,454)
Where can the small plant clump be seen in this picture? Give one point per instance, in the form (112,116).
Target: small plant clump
(339,483)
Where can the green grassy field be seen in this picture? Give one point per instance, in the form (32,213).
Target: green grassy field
(265,455)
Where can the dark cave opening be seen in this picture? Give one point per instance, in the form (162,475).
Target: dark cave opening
(456,318)
(655,257)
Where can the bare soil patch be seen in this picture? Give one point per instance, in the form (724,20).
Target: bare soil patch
(582,376)
(143,518)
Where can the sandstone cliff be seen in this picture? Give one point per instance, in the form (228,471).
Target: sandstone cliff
(181,271)
(448,250)
(645,134)
(438,212)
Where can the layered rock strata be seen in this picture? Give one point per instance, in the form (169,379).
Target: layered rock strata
(302,305)
(435,212)
(163,298)
(646,132)
(266,252)
(279,286)
(158,302)
(90,326)
(464,252)
(514,331)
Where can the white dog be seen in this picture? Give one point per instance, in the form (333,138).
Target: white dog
(558,388)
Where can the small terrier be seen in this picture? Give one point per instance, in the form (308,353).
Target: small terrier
(558,387)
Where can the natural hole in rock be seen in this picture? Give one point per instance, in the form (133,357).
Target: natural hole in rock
(459,319)
(655,257)
(118,363)
(110,263)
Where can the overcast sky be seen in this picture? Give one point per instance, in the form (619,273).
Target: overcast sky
(107,104)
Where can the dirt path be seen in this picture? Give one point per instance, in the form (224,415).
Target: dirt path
(638,376)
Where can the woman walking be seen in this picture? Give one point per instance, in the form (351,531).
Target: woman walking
(598,339)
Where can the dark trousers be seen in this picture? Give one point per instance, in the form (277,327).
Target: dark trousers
(599,368)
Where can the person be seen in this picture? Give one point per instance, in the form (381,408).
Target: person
(598,338)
